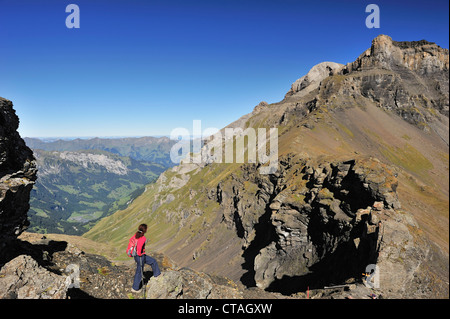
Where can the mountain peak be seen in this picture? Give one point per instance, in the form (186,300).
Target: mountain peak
(385,39)
(422,56)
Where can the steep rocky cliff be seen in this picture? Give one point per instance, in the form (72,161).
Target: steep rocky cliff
(362,180)
(17,176)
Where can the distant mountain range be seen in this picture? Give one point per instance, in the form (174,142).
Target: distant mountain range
(83,180)
(76,188)
(149,149)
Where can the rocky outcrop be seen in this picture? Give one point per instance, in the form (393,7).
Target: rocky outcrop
(23,278)
(316,222)
(57,269)
(312,79)
(409,78)
(17,176)
(423,57)
(261,106)
(311,215)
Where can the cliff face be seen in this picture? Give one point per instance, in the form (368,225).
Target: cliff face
(17,176)
(423,57)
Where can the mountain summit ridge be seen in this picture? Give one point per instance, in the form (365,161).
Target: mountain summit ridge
(415,55)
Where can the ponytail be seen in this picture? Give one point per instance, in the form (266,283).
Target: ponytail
(141,231)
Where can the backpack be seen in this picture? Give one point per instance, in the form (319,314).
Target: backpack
(132,247)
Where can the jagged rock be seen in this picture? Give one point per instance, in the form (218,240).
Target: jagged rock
(398,88)
(23,278)
(169,285)
(422,56)
(17,176)
(322,225)
(312,79)
(260,107)
(378,206)
(409,79)
(328,221)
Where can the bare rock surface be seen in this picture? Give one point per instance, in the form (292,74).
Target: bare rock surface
(17,176)
(23,278)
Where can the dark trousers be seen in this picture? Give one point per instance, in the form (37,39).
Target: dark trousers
(140,263)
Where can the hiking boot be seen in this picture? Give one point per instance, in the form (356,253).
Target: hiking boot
(136,291)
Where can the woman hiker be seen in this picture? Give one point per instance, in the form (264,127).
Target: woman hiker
(139,240)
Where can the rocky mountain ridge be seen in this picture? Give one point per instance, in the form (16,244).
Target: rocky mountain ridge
(148,148)
(359,144)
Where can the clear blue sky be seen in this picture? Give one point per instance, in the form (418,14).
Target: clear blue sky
(142,67)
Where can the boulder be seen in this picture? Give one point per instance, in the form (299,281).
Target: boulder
(23,278)
(186,283)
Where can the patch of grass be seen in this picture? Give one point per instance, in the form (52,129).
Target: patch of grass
(345,130)
(104,271)
(406,137)
(68,189)
(407,157)
(444,157)
(40,212)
